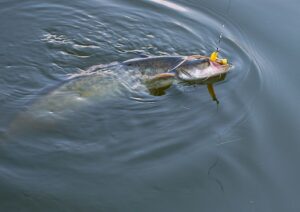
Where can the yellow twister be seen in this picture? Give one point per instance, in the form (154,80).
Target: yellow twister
(214,57)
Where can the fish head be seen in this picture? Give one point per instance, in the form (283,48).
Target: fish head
(216,67)
(203,70)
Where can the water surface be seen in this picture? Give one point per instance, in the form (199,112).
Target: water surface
(127,150)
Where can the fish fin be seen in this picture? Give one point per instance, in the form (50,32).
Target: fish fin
(158,84)
(173,70)
(211,91)
(160,77)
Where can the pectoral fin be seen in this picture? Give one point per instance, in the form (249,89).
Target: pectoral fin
(211,91)
(157,84)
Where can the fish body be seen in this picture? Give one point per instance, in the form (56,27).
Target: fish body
(102,82)
(165,69)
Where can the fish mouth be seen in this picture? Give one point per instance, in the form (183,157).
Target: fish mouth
(219,67)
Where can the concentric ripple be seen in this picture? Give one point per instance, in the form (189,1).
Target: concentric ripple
(131,125)
(79,132)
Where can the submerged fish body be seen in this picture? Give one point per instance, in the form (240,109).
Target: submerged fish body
(66,99)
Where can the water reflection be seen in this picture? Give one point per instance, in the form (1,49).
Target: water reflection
(171,5)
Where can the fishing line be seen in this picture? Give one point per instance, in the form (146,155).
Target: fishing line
(223,27)
(220,38)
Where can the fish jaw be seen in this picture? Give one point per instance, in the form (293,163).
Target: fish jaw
(219,69)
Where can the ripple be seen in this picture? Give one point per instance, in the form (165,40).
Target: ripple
(171,5)
(131,126)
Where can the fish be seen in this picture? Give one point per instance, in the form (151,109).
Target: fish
(156,73)
(104,82)
(161,71)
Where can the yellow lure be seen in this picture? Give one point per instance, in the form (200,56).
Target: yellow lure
(224,61)
(214,58)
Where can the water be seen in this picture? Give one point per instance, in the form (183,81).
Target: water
(128,150)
